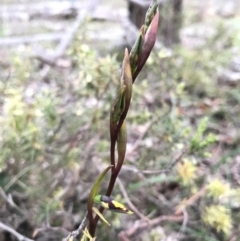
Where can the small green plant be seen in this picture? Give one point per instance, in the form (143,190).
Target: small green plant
(131,67)
(198,142)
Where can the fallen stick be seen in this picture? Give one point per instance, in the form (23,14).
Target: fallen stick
(99,15)
(37,7)
(9,41)
(50,58)
(30,11)
(19,236)
(62,11)
(138,228)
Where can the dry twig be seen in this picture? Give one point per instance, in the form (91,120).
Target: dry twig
(19,236)
(75,233)
(169,168)
(130,204)
(20,174)
(50,58)
(182,206)
(138,228)
(10,201)
(143,134)
(9,41)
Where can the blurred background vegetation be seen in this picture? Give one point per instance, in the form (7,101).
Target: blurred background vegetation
(54,122)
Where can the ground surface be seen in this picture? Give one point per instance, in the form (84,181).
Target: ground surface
(185,108)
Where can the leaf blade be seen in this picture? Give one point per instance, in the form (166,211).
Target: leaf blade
(100,216)
(94,192)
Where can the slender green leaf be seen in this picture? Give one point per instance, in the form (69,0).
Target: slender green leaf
(150,181)
(100,216)
(94,191)
(87,236)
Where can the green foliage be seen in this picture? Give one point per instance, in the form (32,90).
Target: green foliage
(184,84)
(100,216)
(41,123)
(94,191)
(218,217)
(198,142)
(53,130)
